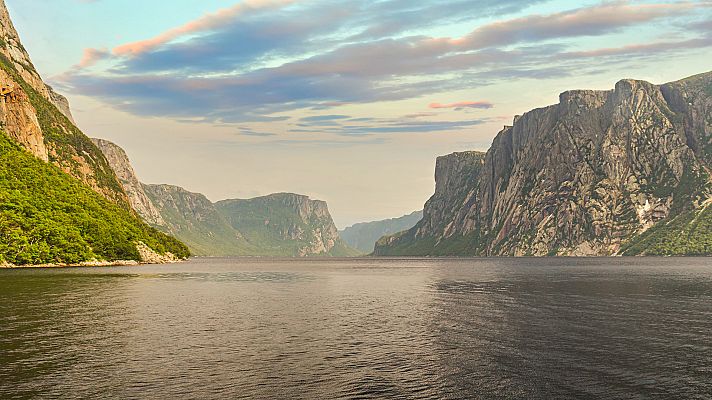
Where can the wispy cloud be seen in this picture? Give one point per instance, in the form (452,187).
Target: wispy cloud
(260,59)
(205,23)
(483,105)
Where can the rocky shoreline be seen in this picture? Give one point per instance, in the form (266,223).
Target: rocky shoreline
(88,264)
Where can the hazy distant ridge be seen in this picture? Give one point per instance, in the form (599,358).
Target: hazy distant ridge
(363,236)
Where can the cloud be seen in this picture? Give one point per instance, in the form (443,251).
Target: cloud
(320,118)
(482,105)
(589,21)
(205,23)
(255,61)
(245,131)
(92,56)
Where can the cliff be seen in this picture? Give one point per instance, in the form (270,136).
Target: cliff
(286,224)
(39,119)
(61,203)
(195,220)
(600,173)
(120,163)
(280,225)
(363,236)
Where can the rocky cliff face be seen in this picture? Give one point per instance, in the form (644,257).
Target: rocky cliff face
(195,220)
(61,103)
(119,162)
(39,119)
(281,225)
(286,224)
(583,177)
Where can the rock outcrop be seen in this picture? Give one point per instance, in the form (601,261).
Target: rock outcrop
(61,103)
(12,49)
(18,117)
(582,178)
(119,162)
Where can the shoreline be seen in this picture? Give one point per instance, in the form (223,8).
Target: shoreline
(86,264)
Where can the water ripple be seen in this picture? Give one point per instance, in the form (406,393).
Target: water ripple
(360,329)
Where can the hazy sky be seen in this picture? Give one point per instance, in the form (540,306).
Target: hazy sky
(345,101)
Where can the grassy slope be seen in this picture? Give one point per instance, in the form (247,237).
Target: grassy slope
(688,234)
(207,235)
(47,216)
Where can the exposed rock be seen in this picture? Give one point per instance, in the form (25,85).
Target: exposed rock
(12,49)
(582,177)
(119,162)
(284,225)
(56,217)
(61,103)
(18,117)
(149,256)
(39,119)
(195,220)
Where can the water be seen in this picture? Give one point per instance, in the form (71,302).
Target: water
(360,329)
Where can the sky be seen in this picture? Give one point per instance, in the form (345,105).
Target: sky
(350,102)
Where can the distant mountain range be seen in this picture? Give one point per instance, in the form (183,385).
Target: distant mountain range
(619,172)
(278,225)
(363,236)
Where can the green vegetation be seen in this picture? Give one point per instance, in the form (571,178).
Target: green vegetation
(274,227)
(708,89)
(67,142)
(193,219)
(47,216)
(404,244)
(270,226)
(688,234)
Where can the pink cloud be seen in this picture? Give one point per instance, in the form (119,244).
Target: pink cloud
(580,22)
(205,23)
(483,105)
(92,56)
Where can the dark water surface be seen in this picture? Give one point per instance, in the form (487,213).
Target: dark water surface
(360,329)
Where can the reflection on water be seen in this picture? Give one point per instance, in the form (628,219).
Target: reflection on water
(402,329)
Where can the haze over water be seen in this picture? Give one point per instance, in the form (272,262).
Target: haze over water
(360,329)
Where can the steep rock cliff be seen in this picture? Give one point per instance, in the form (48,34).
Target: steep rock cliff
(119,162)
(286,224)
(195,220)
(39,119)
(60,202)
(583,177)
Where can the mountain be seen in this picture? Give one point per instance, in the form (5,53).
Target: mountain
(280,225)
(60,202)
(625,171)
(120,164)
(39,119)
(363,236)
(286,224)
(196,221)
